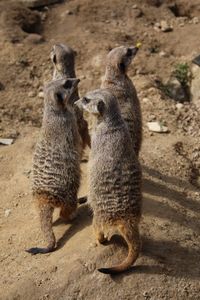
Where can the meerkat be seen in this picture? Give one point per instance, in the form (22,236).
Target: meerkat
(56,162)
(114,176)
(63,59)
(118,82)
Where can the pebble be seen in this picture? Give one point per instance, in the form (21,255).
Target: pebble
(7,212)
(34,38)
(157,127)
(6,141)
(41,95)
(165,27)
(195,20)
(31,94)
(162,54)
(145,100)
(179,106)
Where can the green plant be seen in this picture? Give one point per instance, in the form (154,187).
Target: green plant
(181,73)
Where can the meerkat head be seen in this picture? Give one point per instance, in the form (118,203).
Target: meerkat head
(57,93)
(121,57)
(99,103)
(62,56)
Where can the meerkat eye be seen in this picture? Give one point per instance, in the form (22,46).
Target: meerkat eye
(129,52)
(67,84)
(86,100)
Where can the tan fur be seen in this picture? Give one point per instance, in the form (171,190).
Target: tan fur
(114,176)
(63,59)
(117,81)
(56,162)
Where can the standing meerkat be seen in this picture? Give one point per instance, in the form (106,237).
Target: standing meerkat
(56,162)
(118,82)
(63,59)
(114,176)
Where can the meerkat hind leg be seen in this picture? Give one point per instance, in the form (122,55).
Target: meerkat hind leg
(99,234)
(46,215)
(68,213)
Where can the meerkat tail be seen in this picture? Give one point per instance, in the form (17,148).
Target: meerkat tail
(46,214)
(132,238)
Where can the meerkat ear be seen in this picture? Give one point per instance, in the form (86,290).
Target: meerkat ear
(129,52)
(101,107)
(67,84)
(54,59)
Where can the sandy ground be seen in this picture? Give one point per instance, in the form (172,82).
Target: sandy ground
(168,267)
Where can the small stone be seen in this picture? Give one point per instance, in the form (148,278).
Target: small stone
(6,141)
(34,38)
(7,212)
(157,127)
(146,100)
(179,106)
(195,20)
(31,94)
(176,90)
(152,118)
(135,6)
(162,54)
(41,95)
(165,27)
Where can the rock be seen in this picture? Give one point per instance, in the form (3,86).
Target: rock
(195,20)
(195,84)
(34,38)
(41,95)
(6,141)
(38,3)
(151,118)
(137,13)
(31,94)
(162,54)
(176,91)
(179,106)
(157,127)
(7,212)
(145,100)
(165,27)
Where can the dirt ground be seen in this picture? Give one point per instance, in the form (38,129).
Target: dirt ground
(168,267)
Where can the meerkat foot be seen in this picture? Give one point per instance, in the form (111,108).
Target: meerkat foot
(46,214)
(68,213)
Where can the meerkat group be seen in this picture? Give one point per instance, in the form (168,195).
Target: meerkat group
(114,194)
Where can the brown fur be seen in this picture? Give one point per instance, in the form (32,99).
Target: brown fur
(117,81)
(63,59)
(114,176)
(56,162)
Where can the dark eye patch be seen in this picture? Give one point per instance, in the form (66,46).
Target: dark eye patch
(60,96)
(86,100)
(129,52)
(67,84)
